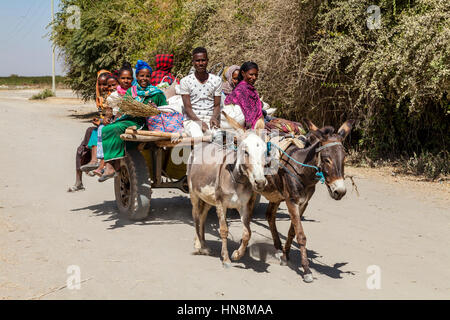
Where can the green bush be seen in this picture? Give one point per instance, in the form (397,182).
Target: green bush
(427,164)
(44,94)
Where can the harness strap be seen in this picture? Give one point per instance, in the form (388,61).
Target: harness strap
(319,173)
(328,145)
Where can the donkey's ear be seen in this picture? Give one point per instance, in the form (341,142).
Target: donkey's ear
(345,129)
(310,125)
(233,122)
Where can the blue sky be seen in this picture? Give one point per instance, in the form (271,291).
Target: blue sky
(25,51)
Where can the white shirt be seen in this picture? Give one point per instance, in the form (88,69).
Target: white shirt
(113,101)
(201,94)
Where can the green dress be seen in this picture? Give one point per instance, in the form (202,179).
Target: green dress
(113,146)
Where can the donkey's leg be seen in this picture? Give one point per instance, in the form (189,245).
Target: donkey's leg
(301,237)
(221,213)
(246,212)
(287,245)
(271,215)
(291,233)
(202,218)
(197,206)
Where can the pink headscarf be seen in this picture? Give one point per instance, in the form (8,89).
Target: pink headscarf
(246,96)
(121,90)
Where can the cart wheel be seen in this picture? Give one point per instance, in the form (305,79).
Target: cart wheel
(132,186)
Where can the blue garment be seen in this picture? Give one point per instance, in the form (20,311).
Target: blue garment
(142,65)
(93,139)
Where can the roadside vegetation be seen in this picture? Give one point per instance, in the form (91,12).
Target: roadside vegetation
(15,81)
(317,59)
(44,94)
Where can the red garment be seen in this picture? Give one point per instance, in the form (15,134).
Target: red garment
(164,63)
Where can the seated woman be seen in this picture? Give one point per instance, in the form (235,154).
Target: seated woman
(246,96)
(87,151)
(125,77)
(113,146)
(231,76)
(106,83)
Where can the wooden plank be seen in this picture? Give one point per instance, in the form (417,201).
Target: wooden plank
(132,137)
(167,135)
(183,142)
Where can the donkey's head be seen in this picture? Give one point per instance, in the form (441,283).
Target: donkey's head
(251,159)
(251,155)
(331,155)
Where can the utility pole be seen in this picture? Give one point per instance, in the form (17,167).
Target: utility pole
(53,51)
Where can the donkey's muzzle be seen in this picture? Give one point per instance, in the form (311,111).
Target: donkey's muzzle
(337,189)
(260,184)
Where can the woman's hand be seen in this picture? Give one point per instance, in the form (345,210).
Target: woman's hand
(96,121)
(153,104)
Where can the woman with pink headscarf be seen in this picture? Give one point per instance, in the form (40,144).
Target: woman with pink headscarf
(246,96)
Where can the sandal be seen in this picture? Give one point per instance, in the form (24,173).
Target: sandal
(105,177)
(76,188)
(90,166)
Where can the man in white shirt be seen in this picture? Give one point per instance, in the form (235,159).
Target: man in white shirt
(201,94)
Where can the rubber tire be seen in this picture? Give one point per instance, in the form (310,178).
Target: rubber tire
(138,206)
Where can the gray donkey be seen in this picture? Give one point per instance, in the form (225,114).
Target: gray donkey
(226,179)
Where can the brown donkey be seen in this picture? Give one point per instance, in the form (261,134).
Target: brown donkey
(296,184)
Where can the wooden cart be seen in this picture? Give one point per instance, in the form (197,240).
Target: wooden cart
(149,166)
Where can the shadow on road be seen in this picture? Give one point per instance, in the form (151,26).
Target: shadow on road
(177,210)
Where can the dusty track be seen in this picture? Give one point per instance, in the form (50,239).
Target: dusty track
(401,227)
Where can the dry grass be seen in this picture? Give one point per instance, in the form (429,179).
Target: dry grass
(137,109)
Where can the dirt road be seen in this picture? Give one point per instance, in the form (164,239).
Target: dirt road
(391,242)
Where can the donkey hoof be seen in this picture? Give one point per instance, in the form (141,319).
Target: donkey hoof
(278,254)
(235,256)
(202,252)
(226,265)
(308,278)
(283,261)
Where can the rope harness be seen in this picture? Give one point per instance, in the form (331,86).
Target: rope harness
(319,173)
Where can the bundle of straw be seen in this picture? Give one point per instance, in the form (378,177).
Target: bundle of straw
(137,109)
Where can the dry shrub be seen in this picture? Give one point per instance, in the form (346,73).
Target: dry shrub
(271,33)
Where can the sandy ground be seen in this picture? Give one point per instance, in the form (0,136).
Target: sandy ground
(397,227)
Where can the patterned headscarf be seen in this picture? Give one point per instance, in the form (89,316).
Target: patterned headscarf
(164,63)
(141,94)
(228,85)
